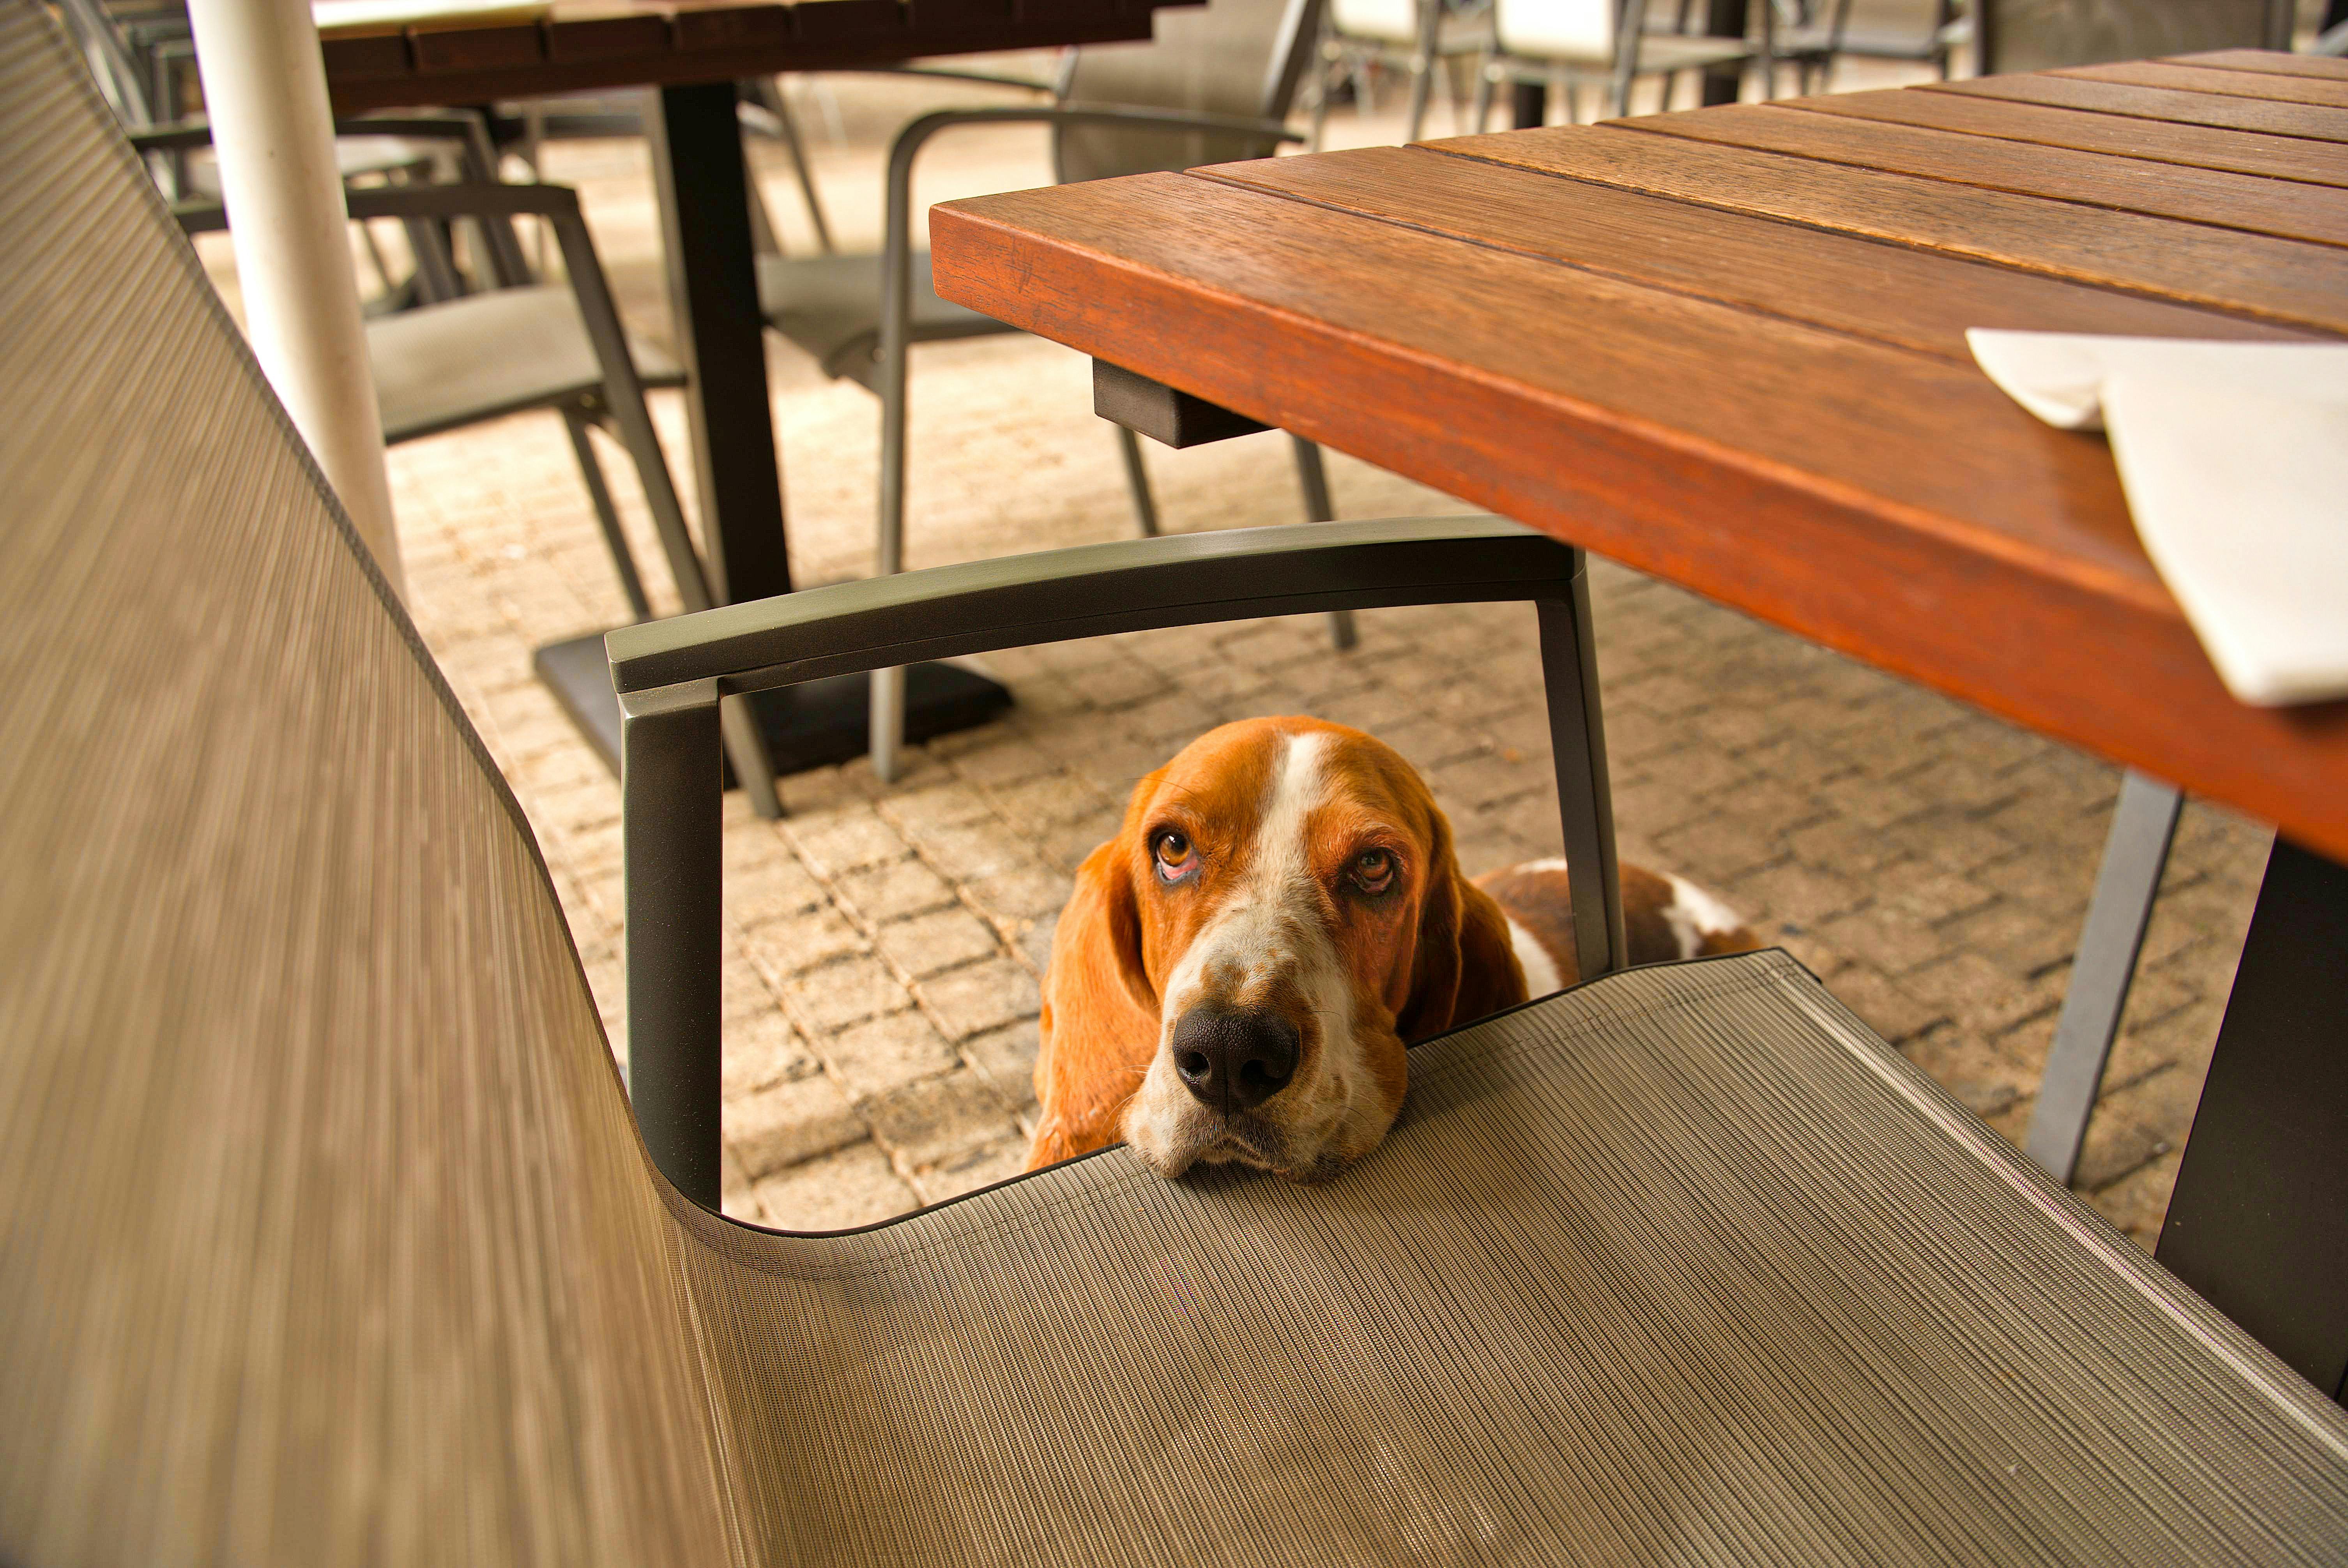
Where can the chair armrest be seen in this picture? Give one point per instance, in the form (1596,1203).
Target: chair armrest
(557,203)
(1131,585)
(671,673)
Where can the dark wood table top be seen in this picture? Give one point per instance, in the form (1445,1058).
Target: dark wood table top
(1726,347)
(578,46)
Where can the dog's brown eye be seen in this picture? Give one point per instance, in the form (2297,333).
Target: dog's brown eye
(1373,871)
(1175,855)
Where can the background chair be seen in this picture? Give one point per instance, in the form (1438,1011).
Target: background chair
(1422,37)
(326,1236)
(1215,87)
(524,345)
(1608,42)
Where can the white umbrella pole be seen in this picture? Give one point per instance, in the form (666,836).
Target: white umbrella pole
(266,92)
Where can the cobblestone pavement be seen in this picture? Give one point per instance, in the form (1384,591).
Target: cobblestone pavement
(883,944)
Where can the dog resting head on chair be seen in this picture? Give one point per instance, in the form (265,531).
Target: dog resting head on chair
(1240,968)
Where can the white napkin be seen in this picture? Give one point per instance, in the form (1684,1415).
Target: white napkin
(2234,456)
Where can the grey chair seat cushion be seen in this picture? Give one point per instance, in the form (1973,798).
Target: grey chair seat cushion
(474,358)
(830,307)
(1685,1266)
(1663,52)
(354,155)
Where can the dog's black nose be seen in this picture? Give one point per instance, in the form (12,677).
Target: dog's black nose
(1234,1060)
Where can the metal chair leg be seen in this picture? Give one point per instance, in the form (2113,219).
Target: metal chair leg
(623,399)
(770,95)
(1585,798)
(1314,477)
(1137,482)
(575,421)
(1423,65)
(2134,855)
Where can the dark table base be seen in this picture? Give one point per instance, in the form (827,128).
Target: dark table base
(812,725)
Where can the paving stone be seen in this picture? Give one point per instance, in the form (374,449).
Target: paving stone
(1049,798)
(844,992)
(1026,893)
(937,805)
(979,850)
(1987,998)
(1883,936)
(967,1173)
(1887,1009)
(944,939)
(931,1121)
(797,943)
(882,1053)
(983,996)
(1981,1079)
(778,887)
(2138,1203)
(838,842)
(1005,1057)
(760,1051)
(787,1122)
(878,894)
(854,1186)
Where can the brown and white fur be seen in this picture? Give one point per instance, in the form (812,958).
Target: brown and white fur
(1239,969)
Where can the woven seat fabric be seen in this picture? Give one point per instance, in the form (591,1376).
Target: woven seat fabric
(1683,1265)
(325,1236)
(465,360)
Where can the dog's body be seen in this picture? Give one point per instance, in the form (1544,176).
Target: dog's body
(1241,968)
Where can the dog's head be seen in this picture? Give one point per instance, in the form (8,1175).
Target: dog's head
(1284,901)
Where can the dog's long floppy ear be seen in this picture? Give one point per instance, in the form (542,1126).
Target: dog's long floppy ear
(1099,1027)
(1466,966)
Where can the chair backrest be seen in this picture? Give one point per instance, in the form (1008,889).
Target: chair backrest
(1382,21)
(325,1232)
(1563,29)
(2046,34)
(1241,57)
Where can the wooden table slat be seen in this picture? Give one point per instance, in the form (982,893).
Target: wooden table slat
(1891,505)
(2103,180)
(2284,279)
(2264,86)
(583,46)
(1888,294)
(2309,120)
(2008,119)
(2329,68)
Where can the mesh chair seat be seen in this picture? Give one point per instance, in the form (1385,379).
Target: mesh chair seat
(1658,53)
(325,1234)
(830,307)
(1682,1265)
(465,360)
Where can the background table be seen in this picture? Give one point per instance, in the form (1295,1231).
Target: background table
(1726,347)
(694,51)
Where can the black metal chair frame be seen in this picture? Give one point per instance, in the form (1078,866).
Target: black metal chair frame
(673,676)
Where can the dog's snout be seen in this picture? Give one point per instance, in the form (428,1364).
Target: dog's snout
(1234,1060)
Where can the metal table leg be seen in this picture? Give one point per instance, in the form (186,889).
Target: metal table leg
(2258,1221)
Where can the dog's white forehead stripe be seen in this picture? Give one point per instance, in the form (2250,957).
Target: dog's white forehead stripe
(1297,786)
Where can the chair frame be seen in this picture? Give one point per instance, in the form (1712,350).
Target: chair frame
(1629,34)
(672,675)
(621,404)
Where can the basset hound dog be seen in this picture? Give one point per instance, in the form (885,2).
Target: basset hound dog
(1239,969)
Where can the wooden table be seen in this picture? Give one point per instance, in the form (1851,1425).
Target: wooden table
(695,51)
(1726,347)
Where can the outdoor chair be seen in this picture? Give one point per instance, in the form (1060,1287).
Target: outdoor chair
(326,1234)
(524,345)
(1607,42)
(1214,87)
(1421,36)
(1812,33)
